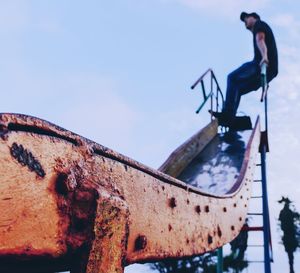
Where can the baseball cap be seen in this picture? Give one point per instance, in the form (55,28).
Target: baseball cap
(245,14)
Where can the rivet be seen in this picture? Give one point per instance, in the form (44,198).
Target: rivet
(219,232)
(140,242)
(172,202)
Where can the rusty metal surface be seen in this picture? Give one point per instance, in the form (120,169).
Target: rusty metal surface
(64,196)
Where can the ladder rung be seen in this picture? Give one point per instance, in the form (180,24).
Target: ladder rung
(258,164)
(257,180)
(254,197)
(255,261)
(253,213)
(255,245)
(245,228)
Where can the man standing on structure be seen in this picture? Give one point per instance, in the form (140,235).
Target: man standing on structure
(247,77)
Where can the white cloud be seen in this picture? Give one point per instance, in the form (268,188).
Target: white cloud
(284,110)
(289,24)
(285,20)
(85,103)
(95,110)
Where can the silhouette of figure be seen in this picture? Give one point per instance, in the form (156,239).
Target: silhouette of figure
(287,222)
(240,243)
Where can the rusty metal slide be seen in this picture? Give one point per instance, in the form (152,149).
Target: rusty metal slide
(67,203)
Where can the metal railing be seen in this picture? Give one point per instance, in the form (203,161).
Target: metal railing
(264,93)
(214,93)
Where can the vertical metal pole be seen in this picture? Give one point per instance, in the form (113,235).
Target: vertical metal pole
(266,223)
(266,113)
(220,260)
(266,219)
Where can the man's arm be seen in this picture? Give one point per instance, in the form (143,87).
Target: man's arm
(261,44)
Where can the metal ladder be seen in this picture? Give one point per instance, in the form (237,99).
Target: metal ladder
(265,228)
(263,149)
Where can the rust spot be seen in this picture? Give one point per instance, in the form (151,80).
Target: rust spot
(7,198)
(245,205)
(27,248)
(234,205)
(126,168)
(25,158)
(187,241)
(3,131)
(163,188)
(61,184)
(240,218)
(209,239)
(187,201)
(198,209)
(83,209)
(206,208)
(79,221)
(219,232)
(225,209)
(84,196)
(232,228)
(172,202)
(170,227)
(140,242)
(241,196)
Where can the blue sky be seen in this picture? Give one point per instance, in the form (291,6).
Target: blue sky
(119,72)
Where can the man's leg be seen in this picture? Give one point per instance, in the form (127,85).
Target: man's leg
(239,82)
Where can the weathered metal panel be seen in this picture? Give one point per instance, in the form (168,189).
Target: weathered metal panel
(62,195)
(186,152)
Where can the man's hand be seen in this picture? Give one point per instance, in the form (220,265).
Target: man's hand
(264,60)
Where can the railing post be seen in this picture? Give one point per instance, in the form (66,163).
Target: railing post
(211,93)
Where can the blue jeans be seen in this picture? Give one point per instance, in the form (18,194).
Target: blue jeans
(240,82)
